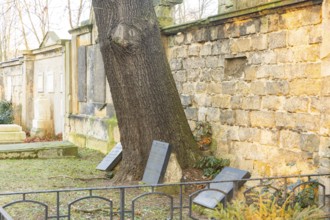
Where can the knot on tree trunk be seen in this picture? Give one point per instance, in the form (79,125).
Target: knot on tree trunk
(126,36)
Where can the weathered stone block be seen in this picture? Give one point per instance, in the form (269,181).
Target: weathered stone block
(262,119)
(269,57)
(269,137)
(285,120)
(249,134)
(179,39)
(213,62)
(233,133)
(202,114)
(180,76)
(305,87)
(194,49)
(272,102)
(227,117)
(200,87)
(324,149)
(229,87)
(250,73)
(296,104)
(193,63)
(176,64)
(182,51)
(273,22)
(284,55)
(277,88)
(221,101)
(258,88)
(243,88)
(251,103)
(309,53)
(236,102)
(193,74)
(277,40)
(206,49)
(242,118)
(221,47)
(188,88)
(191,113)
(214,88)
(217,74)
(186,100)
(259,42)
(307,122)
(315,34)
(231,30)
(298,37)
(240,45)
(289,139)
(256,58)
(202,100)
(325,89)
(321,105)
(249,27)
(213,114)
(309,142)
(202,35)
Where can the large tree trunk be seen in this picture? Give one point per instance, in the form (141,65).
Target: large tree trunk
(145,97)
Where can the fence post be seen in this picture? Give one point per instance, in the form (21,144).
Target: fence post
(122,203)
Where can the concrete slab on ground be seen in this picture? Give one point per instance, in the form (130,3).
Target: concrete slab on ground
(53,149)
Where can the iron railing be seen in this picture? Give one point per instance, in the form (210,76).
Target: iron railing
(128,202)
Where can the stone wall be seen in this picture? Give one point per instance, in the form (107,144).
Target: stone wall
(257,79)
(12,86)
(91,120)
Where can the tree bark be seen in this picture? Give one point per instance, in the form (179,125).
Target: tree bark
(144,93)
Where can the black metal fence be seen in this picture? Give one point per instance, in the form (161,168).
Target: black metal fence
(171,201)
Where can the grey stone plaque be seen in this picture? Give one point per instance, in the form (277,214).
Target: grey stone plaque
(99,79)
(112,159)
(157,162)
(82,74)
(210,199)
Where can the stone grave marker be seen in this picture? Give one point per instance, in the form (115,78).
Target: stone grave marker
(157,162)
(112,159)
(210,199)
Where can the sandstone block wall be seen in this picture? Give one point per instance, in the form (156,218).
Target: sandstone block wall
(257,80)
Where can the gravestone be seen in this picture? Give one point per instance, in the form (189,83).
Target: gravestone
(210,199)
(112,159)
(98,80)
(82,74)
(157,163)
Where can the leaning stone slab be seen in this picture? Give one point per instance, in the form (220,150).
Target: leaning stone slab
(157,163)
(210,199)
(112,159)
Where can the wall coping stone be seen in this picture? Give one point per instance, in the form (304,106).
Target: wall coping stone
(224,17)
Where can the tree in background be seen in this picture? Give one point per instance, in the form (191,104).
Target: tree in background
(24,23)
(144,93)
(192,10)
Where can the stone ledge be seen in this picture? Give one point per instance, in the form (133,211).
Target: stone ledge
(38,150)
(10,128)
(221,18)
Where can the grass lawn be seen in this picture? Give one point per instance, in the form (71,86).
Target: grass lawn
(18,175)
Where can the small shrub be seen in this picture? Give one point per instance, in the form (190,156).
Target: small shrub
(6,112)
(266,209)
(211,165)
